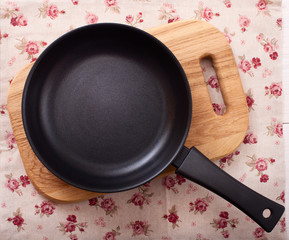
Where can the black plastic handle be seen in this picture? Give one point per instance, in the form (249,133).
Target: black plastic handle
(193,165)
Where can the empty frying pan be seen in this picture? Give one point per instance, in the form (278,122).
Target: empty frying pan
(107,107)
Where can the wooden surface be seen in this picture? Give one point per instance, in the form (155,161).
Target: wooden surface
(215,136)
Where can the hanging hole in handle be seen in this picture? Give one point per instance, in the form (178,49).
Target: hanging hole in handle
(213,85)
(266,213)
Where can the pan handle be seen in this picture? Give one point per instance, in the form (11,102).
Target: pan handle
(193,165)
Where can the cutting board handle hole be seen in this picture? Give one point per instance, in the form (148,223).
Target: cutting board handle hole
(213,85)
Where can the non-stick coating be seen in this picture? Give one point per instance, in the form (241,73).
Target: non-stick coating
(106,107)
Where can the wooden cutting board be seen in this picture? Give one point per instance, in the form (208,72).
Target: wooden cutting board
(215,136)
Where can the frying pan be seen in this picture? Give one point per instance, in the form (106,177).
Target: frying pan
(107,107)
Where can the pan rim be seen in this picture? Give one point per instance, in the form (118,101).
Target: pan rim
(24,106)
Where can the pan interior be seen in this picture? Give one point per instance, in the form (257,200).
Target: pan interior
(106,107)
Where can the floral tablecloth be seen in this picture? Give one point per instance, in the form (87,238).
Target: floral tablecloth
(172,207)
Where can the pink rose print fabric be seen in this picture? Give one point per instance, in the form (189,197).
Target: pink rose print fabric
(142,197)
(263,7)
(250,100)
(134,20)
(283,225)
(70,226)
(91,18)
(15,184)
(250,138)
(246,66)
(46,208)
(49,10)
(173,217)
(219,109)
(171,182)
(139,228)
(228,160)
(281,197)
(228,34)
(112,235)
(244,23)
(106,204)
(270,46)
(223,223)
(170,207)
(261,165)
(31,48)
(169,13)
(10,139)
(214,83)
(17,220)
(13,13)
(200,205)
(275,129)
(274,90)
(205,13)
(112,5)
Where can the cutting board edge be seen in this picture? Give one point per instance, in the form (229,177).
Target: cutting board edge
(56,195)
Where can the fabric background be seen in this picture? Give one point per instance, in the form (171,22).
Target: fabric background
(168,208)
(285,77)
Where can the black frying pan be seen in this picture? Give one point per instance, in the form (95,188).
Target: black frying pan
(107,108)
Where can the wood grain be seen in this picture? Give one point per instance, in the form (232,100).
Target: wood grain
(215,136)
